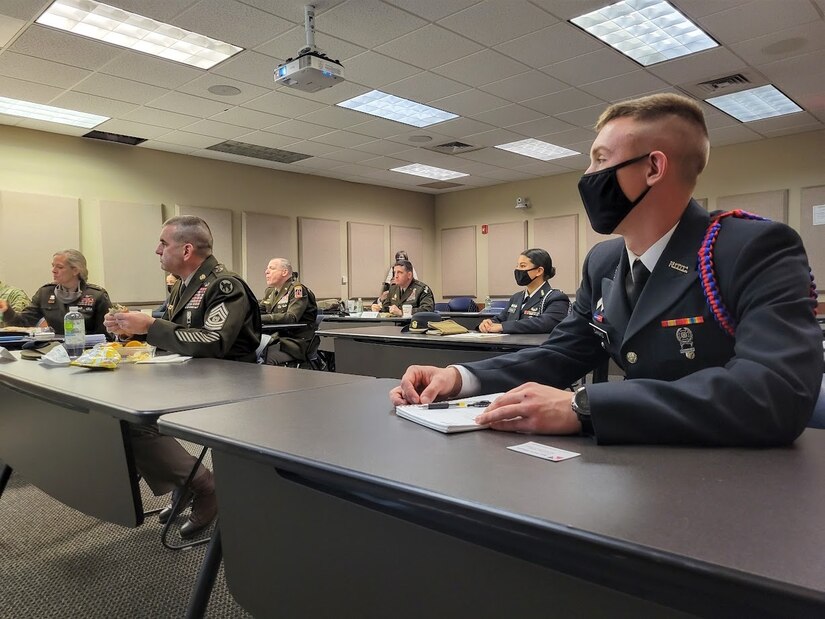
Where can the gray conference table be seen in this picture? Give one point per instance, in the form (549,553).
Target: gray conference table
(360,513)
(65,429)
(386,352)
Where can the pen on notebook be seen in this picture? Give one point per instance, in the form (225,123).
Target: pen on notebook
(479,404)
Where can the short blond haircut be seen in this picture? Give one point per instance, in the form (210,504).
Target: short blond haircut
(664,106)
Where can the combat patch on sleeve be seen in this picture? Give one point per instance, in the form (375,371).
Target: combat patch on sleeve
(226,286)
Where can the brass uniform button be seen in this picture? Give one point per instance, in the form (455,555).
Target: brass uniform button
(631,357)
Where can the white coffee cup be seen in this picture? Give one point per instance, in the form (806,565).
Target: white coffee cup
(406,310)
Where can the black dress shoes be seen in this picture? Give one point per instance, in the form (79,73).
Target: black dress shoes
(166,512)
(204,504)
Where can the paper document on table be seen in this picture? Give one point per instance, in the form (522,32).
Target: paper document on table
(175,358)
(450,416)
(474,336)
(5,355)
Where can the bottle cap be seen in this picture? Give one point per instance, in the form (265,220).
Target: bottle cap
(73,308)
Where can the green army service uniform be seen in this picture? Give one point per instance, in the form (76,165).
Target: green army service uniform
(292,303)
(16,298)
(93,303)
(417,294)
(215,316)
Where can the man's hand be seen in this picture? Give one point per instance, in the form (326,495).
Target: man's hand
(395,310)
(533,409)
(488,326)
(422,384)
(128,323)
(4,306)
(375,307)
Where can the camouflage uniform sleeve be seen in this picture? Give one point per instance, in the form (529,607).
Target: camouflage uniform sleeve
(18,300)
(426,301)
(28,316)
(225,307)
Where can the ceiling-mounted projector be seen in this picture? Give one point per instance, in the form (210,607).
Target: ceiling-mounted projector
(310,70)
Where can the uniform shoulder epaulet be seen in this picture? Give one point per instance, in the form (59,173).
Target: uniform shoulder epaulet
(219,268)
(94,286)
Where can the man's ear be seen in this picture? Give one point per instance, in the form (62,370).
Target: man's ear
(658,166)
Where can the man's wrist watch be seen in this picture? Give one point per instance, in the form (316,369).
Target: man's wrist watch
(581,406)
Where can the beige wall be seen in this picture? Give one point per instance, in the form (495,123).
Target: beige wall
(47,163)
(788,162)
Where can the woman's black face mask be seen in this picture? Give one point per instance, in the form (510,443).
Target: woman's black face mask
(603,198)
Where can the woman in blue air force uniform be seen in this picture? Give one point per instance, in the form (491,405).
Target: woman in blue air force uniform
(538,308)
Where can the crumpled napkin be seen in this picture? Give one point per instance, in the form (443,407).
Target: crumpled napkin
(5,355)
(57,356)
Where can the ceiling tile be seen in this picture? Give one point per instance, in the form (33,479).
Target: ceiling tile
(481,68)
(92,104)
(805,66)
(591,67)
(541,126)
(171,148)
(28,91)
(783,44)
(698,67)
(551,45)
(384,163)
(244,117)
(340,92)
(544,168)
(312,148)
(761,17)
(375,70)
(369,22)
(250,67)
(432,10)
(293,10)
(334,117)
(377,128)
(298,129)
(265,138)
(9,27)
(286,45)
(381,147)
(217,129)
(699,8)
(159,118)
(469,102)
(45,71)
(508,115)
(424,87)
(49,44)
(429,47)
(344,139)
(136,130)
(231,22)
(348,155)
(283,104)
(625,86)
(200,88)
(571,136)
(816,125)
(518,88)
(150,70)
(564,101)
(118,88)
(585,117)
(493,138)
(565,9)
(459,127)
(317,163)
(182,138)
(495,21)
(733,134)
(188,104)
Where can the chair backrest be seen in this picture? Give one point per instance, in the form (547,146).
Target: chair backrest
(442,307)
(499,303)
(462,304)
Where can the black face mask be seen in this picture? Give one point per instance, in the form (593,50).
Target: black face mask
(522,277)
(169,288)
(604,200)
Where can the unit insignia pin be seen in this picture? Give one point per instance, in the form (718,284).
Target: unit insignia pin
(685,338)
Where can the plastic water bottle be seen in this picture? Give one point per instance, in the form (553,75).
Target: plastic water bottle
(360,306)
(74,329)
(488,302)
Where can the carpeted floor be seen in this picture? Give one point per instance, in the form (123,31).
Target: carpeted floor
(57,562)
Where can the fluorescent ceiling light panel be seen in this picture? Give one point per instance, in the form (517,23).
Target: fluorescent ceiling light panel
(648,31)
(26,109)
(755,104)
(118,27)
(388,106)
(538,149)
(419,169)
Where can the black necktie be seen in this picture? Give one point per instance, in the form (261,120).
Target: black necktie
(638,281)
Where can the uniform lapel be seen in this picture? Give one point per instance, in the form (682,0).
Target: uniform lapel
(675,271)
(614,297)
(535,299)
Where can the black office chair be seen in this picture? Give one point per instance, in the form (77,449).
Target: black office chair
(314,358)
(462,304)
(442,307)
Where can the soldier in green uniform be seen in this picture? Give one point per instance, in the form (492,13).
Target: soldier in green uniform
(211,313)
(406,290)
(286,301)
(69,288)
(11,297)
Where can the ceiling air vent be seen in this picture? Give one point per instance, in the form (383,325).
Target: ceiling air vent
(723,84)
(441,185)
(454,148)
(258,152)
(114,137)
